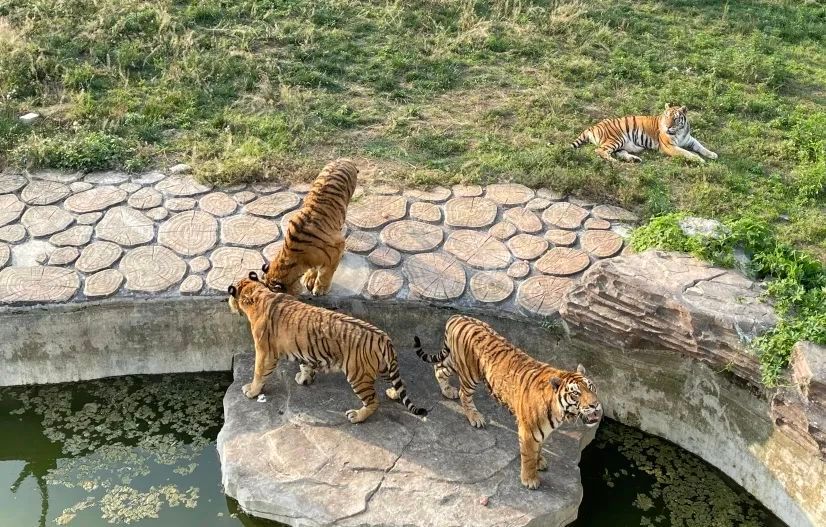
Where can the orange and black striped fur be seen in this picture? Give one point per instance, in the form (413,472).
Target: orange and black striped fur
(313,242)
(539,396)
(668,132)
(320,339)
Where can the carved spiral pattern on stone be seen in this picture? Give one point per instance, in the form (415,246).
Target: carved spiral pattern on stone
(152,269)
(40,192)
(375,211)
(543,295)
(189,233)
(412,236)
(601,244)
(37,284)
(273,205)
(478,249)
(472,213)
(565,215)
(230,264)
(384,283)
(435,276)
(95,199)
(491,286)
(562,261)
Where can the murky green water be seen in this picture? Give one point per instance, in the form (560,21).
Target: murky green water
(141,451)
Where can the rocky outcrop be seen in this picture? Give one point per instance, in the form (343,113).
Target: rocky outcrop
(296,459)
(675,302)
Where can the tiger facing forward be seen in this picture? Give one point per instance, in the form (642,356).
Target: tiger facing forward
(283,327)
(668,132)
(313,242)
(539,396)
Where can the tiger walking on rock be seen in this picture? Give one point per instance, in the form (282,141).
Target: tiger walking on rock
(540,396)
(320,339)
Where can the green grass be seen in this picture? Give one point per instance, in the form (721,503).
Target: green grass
(796,280)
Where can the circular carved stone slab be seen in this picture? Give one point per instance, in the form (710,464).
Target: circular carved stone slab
(189,233)
(385,189)
(470,212)
(477,249)
(538,204)
(45,221)
(425,212)
(272,250)
(560,238)
(384,283)
(436,194)
(267,187)
(612,213)
(502,230)
(57,175)
(89,219)
(95,199)
(149,178)
(468,191)
(543,295)
(152,269)
(509,193)
(181,186)
(80,186)
(562,261)
(527,246)
(273,205)
(145,198)
(76,236)
(301,188)
(218,204)
(601,244)
(5,253)
(180,204)
(385,257)
(585,204)
(129,187)
(412,236)
(106,178)
(491,286)
(157,214)
(61,256)
(97,256)
(523,219)
(597,224)
(519,269)
(11,182)
(12,233)
(40,192)
(10,208)
(125,226)
(191,285)
(550,194)
(361,242)
(248,231)
(565,215)
(374,211)
(435,276)
(230,264)
(104,283)
(199,264)
(37,284)
(244,197)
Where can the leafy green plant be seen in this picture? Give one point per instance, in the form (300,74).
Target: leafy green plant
(796,281)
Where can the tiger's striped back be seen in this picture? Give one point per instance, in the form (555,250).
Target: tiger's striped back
(313,242)
(321,339)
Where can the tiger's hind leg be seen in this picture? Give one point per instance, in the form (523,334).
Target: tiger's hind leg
(305,375)
(466,397)
(625,156)
(366,391)
(265,363)
(443,374)
(309,278)
(324,279)
(605,153)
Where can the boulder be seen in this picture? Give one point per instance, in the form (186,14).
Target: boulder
(295,458)
(657,300)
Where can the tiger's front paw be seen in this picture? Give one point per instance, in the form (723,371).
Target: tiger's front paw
(711,155)
(542,464)
(309,279)
(319,289)
(304,379)
(249,392)
(476,419)
(530,482)
(356,416)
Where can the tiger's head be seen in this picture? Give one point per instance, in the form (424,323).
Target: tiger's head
(243,295)
(281,273)
(577,396)
(673,119)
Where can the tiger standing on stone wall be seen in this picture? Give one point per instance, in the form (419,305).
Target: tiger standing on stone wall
(668,132)
(539,396)
(313,242)
(320,339)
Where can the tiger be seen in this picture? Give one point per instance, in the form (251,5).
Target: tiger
(668,132)
(313,241)
(540,396)
(320,339)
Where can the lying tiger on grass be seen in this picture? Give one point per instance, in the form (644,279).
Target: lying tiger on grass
(668,132)
(320,339)
(313,242)
(539,396)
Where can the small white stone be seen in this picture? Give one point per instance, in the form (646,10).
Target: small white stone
(29,118)
(180,168)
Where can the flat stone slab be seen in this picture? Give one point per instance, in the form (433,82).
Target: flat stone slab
(523,219)
(99,255)
(296,459)
(412,236)
(601,244)
(152,269)
(470,212)
(45,221)
(248,231)
(41,192)
(95,199)
(542,295)
(37,284)
(182,186)
(478,249)
(145,198)
(565,215)
(614,213)
(509,193)
(126,227)
(384,283)
(273,205)
(563,261)
(189,233)
(230,264)
(375,211)
(435,276)
(491,286)
(10,208)
(528,246)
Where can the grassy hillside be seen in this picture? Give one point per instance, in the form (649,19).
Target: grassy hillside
(431,91)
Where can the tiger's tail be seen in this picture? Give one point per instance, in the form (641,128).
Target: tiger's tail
(396,382)
(584,138)
(431,359)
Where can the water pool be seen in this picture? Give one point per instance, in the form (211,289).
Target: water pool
(140,451)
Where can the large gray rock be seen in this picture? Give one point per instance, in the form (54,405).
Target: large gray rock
(296,459)
(659,300)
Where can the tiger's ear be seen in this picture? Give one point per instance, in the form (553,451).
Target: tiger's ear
(580,369)
(266,267)
(253,276)
(667,105)
(556,382)
(683,109)
(232,291)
